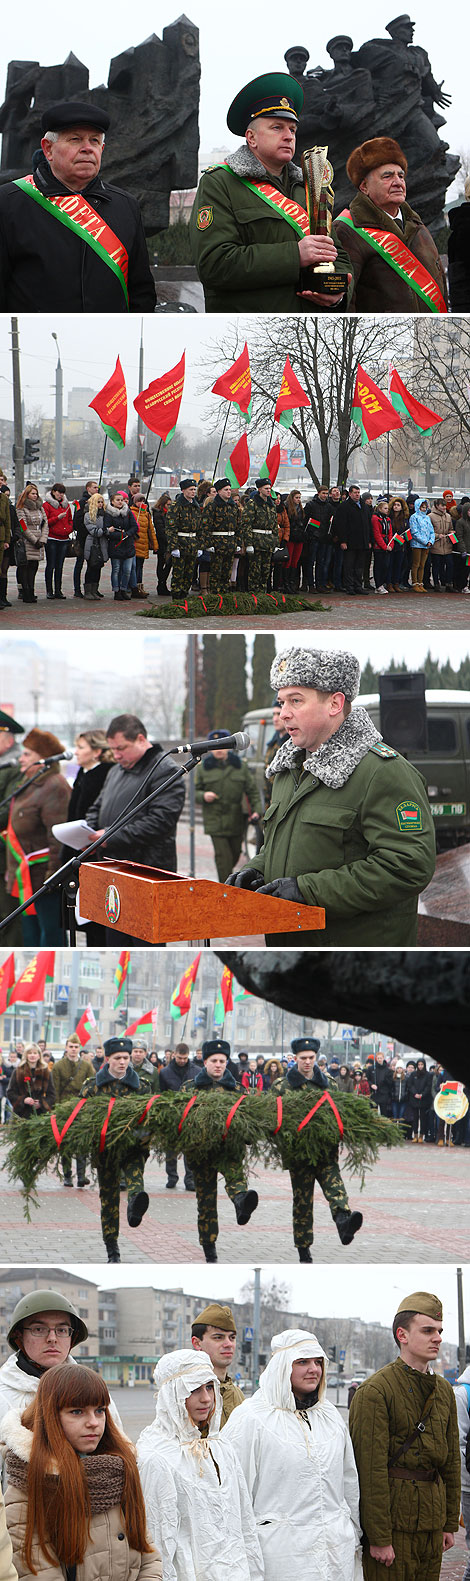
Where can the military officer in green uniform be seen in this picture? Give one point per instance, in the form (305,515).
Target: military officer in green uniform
(215,1074)
(260,535)
(10,776)
(214,1331)
(403,1423)
(184,537)
(249,229)
(349,827)
(225,788)
(221,527)
(118,1079)
(275,741)
(306,1074)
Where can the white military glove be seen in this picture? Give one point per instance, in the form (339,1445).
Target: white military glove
(175,554)
(249,549)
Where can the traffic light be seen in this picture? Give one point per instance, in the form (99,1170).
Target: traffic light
(61,1007)
(245,1349)
(31,450)
(147,462)
(332,1352)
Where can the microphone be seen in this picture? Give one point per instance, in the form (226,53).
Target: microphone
(237,742)
(59,756)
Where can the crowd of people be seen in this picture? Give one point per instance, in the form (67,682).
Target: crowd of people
(342,541)
(219,1485)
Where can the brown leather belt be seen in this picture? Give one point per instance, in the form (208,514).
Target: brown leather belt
(420,1475)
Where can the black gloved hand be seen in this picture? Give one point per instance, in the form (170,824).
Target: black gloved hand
(284,889)
(246,878)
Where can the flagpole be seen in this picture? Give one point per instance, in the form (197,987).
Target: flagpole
(214,474)
(388,465)
(102,461)
(153,471)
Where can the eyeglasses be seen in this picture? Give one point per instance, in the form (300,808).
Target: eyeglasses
(41,1330)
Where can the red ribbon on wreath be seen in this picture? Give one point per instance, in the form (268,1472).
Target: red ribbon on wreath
(255,600)
(106,1123)
(326,1098)
(59,1135)
(148,1106)
(231,1113)
(201,600)
(186,1110)
(279,1115)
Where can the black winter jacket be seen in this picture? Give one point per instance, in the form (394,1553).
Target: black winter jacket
(173,1076)
(149,836)
(351,526)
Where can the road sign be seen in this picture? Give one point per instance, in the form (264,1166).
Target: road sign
(248,1333)
(342,1355)
(347,1034)
(62,992)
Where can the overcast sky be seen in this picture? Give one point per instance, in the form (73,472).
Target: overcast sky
(236,45)
(368,1292)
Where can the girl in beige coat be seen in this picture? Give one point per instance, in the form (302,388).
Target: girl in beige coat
(74,1504)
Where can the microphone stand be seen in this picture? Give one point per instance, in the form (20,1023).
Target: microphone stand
(66,877)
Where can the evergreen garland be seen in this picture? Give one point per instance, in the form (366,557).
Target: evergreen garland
(196,605)
(365,1130)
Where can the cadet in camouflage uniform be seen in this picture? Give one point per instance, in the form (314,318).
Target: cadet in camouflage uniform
(214,1331)
(184,537)
(221,526)
(349,827)
(10,776)
(306,1073)
(223,781)
(215,1055)
(118,1079)
(260,535)
(404,1428)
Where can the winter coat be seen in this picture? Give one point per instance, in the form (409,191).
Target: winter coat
(246,253)
(28,1083)
(300,1472)
(10,776)
(339,822)
(7,1568)
(102,1084)
(422,530)
(184,525)
(231,781)
(319,512)
(220,525)
(384,1413)
(121,529)
(252,1081)
(86,787)
(108,1556)
(146,539)
(259,524)
(399,1089)
(199,1513)
(32,815)
(381,1086)
(45,268)
(443,525)
(18,554)
(462,1400)
(94,542)
(345,1083)
(33,521)
(173,1076)
(69,1075)
(351,526)
(18,1389)
(294,1080)
(5,525)
(81,508)
(59,517)
(296,524)
(377,286)
(419,1082)
(149,835)
(461,526)
(382,530)
(458,249)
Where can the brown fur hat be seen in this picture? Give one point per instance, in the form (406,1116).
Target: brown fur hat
(43,742)
(376,151)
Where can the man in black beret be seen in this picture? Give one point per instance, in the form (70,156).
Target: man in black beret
(215,1073)
(69,241)
(118,1079)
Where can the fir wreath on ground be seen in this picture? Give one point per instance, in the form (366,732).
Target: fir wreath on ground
(198,604)
(215,1124)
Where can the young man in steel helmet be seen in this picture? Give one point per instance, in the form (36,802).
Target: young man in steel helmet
(45,1327)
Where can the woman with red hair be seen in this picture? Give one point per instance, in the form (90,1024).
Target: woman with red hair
(74,1503)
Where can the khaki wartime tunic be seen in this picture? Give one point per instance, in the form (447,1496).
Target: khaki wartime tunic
(363,851)
(384,1413)
(378,288)
(69,1075)
(231,1397)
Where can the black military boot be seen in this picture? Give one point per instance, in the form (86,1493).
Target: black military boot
(245,1204)
(136,1208)
(210,1251)
(112,1248)
(305,1255)
(347,1225)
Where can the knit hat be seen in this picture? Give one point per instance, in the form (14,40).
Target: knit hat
(326,671)
(369,155)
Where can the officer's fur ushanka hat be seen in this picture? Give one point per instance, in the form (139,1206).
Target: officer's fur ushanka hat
(317,667)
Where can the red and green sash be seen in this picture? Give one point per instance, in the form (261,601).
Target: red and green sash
(76,213)
(393,250)
(22,887)
(290,210)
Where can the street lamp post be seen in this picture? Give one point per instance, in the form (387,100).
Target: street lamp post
(59,413)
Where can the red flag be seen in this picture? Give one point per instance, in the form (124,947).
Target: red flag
(235,384)
(159,404)
(181,996)
(31,986)
(226,989)
(371,410)
(238,467)
(403,401)
(270,467)
(111,405)
(85,1025)
(291,395)
(7,978)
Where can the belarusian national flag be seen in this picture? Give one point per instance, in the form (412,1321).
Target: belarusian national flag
(147,1020)
(85,1025)
(291,396)
(371,410)
(270,467)
(7,978)
(235,384)
(238,467)
(122,970)
(224,1001)
(245,993)
(31,986)
(111,405)
(181,996)
(159,404)
(403,401)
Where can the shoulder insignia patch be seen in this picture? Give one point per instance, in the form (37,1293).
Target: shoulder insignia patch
(409,816)
(382,751)
(204,218)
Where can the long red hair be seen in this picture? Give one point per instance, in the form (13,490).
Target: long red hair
(59,1512)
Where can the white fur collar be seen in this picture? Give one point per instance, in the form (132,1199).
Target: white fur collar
(14,1436)
(335,760)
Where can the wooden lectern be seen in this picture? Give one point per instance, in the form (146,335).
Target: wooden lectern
(166,908)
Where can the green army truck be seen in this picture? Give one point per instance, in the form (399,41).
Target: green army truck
(444,761)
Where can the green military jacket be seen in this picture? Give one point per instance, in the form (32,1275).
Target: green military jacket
(68,1077)
(221,524)
(246,253)
(231,782)
(113,1087)
(259,523)
(10,776)
(384,1412)
(183,524)
(363,848)
(231,1397)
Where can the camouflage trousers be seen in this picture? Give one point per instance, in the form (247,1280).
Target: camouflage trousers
(183,571)
(417,1554)
(109,1180)
(221,566)
(303,1184)
(227,849)
(259,567)
(80,1160)
(205,1180)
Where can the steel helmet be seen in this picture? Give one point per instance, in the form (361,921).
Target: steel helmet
(46,1301)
